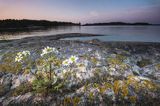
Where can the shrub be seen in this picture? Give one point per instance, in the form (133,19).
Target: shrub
(46,86)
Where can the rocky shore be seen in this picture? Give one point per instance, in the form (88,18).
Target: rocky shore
(106,73)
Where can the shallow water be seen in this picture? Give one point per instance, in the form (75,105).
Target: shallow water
(113,33)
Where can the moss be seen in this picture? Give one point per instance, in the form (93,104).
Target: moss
(144,62)
(108,85)
(121,57)
(125,90)
(76,101)
(133,99)
(91,96)
(94,60)
(118,60)
(97,72)
(104,86)
(40,62)
(149,85)
(8,67)
(2,90)
(80,65)
(102,89)
(124,66)
(121,88)
(57,62)
(158,66)
(26,71)
(85,56)
(95,85)
(116,86)
(22,89)
(131,81)
(141,84)
(67,101)
(8,63)
(86,87)
(114,61)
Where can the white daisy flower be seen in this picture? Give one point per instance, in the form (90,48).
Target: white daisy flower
(73,59)
(25,53)
(66,62)
(64,71)
(49,50)
(18,58)
(31,79)
(21,55)
(79,75)
(55,50)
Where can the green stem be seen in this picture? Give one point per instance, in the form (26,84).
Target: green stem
(50,71)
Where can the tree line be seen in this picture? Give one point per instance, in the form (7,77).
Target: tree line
(25,23)
(117,23)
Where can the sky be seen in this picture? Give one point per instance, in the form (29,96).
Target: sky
(84,11)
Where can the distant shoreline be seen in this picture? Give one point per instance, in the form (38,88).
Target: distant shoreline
(121,24)
(34,28)
(26,24)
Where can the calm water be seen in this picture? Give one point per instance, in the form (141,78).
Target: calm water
(113,33)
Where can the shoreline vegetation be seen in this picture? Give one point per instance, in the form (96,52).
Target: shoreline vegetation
(121,24)
(32,24)
(14,26)
(11,24)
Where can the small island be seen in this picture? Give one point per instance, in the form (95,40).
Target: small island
(118,23)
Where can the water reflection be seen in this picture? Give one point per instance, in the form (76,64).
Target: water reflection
(114,33)
(40,31)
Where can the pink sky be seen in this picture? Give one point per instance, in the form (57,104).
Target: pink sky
(81,10)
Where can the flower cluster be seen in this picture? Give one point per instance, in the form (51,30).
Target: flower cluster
(48,50)
(21,55)
(70,60)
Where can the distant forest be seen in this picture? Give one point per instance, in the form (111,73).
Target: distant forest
(12,23)
(35,24)
(116,23)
